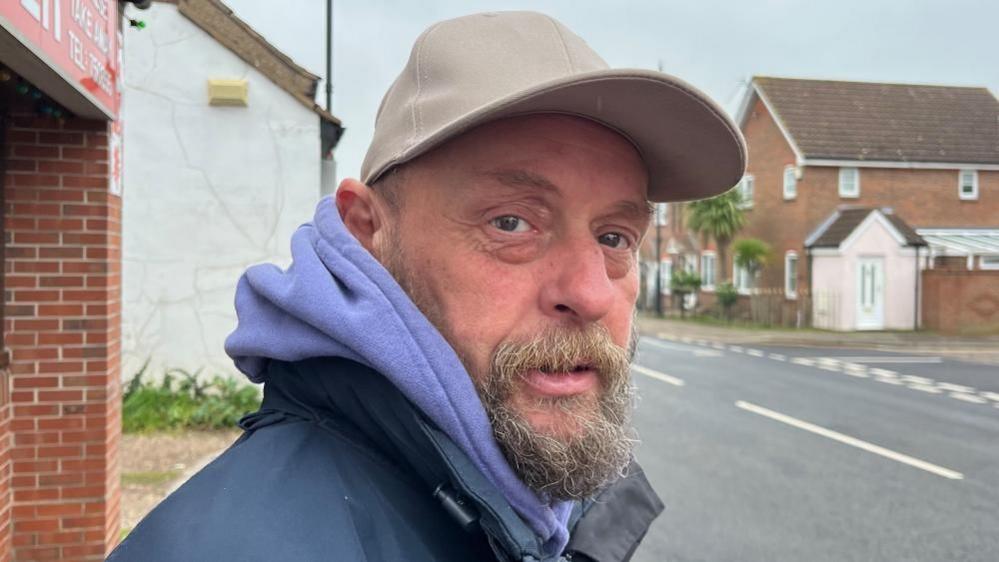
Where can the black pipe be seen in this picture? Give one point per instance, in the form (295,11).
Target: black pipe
(329,56)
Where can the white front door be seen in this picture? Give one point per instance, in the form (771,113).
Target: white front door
(871,294)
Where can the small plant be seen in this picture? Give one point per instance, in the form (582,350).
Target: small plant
(682,284)
(727,294)
(182,400)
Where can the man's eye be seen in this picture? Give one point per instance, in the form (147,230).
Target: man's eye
(615,240)
(511,223)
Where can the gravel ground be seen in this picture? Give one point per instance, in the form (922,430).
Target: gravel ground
(152,465)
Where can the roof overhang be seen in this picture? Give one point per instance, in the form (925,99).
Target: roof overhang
(899,164)
(962,241)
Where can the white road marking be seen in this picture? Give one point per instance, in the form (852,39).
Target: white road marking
(887,380)
(718,345)
(777,357)
(852,441)
(955,387)
(891,359)
(969,398)
(665,345)
(707,353)
(754,352)
(855,373)
(803,361)
(657,375)
(925,388)
(883,372)
(855,367)
(827,367)
(917,380)
(990,395)
(736,348)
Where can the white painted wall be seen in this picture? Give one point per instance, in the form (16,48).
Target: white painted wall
(207,191)
(834,281)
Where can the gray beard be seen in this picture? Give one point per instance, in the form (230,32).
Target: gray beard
(598,449)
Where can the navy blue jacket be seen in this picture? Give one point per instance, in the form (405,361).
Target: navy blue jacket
(337,465)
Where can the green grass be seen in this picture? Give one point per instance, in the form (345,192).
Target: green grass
(149,478)
(182,400)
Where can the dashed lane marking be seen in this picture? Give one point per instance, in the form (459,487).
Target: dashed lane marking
(924,388)
(883,372)
(851,441)
(736,348)
(990,395)
(657,375)
(754,352)
(886,359)
(969,398)
(777,357)
(954,387)
(917,380)
(803,361)
(888,380)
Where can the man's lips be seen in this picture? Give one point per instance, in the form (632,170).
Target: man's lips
(560,384)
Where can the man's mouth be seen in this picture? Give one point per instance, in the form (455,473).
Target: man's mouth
(548,382)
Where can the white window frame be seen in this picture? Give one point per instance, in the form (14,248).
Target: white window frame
(705,286)
(992,264)
(746,187)
(665,276)
(856,183)
(974,185)
(790,182)
(740,279)
(791,276)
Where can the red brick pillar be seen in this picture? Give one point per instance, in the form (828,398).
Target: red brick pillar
(62,326)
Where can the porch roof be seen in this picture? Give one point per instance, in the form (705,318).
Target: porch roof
(962,241)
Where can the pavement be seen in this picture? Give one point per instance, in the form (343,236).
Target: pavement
(784,452)
(982,349)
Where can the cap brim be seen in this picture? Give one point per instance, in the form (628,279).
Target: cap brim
(691,148)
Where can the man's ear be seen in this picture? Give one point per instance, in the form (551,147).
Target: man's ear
(356,204)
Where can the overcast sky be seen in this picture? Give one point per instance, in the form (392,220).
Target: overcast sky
(714,44)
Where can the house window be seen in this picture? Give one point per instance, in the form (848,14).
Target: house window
(740,278)
(746,192)
(791,274)
(989,261)
(849,182)
(968,184)
(665,275)
(707,270)
(790,182)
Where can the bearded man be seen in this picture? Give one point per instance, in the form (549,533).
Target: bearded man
(446,361)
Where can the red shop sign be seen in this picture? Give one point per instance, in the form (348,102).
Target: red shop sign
(78,38)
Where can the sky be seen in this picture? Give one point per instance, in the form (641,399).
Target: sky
(716,45)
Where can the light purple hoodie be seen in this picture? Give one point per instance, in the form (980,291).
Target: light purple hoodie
(336,300)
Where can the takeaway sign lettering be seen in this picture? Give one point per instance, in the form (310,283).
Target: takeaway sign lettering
(78,38)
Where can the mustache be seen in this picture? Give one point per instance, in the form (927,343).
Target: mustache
(561,349)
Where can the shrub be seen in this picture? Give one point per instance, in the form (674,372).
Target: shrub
(727,294)
(181,400)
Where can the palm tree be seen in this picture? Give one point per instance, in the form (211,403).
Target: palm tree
(720,218)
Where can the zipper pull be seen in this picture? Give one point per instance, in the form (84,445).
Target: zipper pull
(457,507)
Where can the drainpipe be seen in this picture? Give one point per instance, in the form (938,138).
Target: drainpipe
(915,309)
(811,294)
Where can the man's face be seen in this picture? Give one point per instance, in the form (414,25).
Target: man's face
(519,242)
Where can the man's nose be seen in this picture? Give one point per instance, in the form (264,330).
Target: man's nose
(577,287)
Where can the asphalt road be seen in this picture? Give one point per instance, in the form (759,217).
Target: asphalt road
(805,454)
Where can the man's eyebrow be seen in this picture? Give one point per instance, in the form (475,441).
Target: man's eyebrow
(634,211)
(520,179)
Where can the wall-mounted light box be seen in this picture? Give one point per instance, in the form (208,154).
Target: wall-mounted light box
(227,92)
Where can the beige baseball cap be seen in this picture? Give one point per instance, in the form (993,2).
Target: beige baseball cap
(474,69)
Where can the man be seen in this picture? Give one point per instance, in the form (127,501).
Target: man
(445,363)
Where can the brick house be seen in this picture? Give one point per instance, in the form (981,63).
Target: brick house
(926,155)
(59,381)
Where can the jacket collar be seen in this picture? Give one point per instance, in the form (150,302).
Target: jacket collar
(359,404)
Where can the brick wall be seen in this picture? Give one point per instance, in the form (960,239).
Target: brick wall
(62,326)
(956,301)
